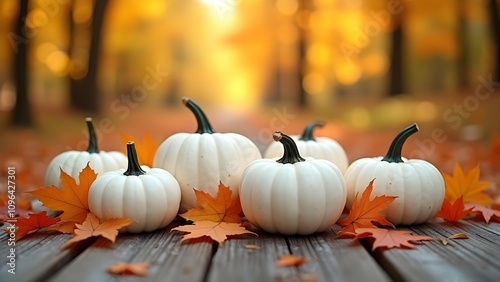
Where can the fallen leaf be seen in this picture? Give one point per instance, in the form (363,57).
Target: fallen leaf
(72,199)
(140,268)
(453,212)
(458,236)
(367,212)
(145,150)
(252,247)
(217,231)
(486,213)
(92,227)
(290,260)
(443,241)
(221,209)
(34,222)
(467,185)
(385,238)
(67,227)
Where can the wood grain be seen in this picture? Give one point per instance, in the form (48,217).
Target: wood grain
(169,259)
(39,255)
(473,259)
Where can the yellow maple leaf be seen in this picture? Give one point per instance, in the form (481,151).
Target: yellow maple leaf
(223,208)
(72,199)
(218,231)
(466,184)
(145,150)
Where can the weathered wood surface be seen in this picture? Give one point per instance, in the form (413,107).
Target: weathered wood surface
(473,259)
(40,258)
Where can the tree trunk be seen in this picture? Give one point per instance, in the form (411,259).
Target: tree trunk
(461,33)
(85,92)
(495,27)
(21,115)
(396,85)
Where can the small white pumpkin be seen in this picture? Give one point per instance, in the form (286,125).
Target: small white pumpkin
(151,196)
(318,148)
(292,195)
(202,159)
(418,184)
(72,162)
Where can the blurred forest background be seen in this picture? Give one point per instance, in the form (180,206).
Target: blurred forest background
(363,66)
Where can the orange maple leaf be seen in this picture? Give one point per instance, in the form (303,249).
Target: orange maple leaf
(63,227)
(93,227)
(385,238)
(34,222)
(365,213)
(486,213)
(221,209)
(290,260)
(218,231)
(138,268)
(72,199)
(146,149)
(466,185)
(453,212)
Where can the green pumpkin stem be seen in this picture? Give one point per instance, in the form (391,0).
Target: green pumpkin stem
(133,163)
(290,151)
(92,137)
(394,153)
(307,135)
(203,123)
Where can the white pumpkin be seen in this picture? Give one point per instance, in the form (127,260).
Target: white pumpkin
(292,195)
(318,148)
(150,196)
(72,162)
(202,159)
(418,184)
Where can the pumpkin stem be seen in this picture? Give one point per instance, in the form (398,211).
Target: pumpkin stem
(133,163)
(291,152)
(394,153)
(92,137)
(307,135)
(203,123)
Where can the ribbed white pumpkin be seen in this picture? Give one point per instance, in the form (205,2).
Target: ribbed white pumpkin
(202,159)
(72,162)
(418,184)
(151,196)
(292,195)
(318,148)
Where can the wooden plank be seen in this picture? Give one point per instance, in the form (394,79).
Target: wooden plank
(473,259)
(234,262)
(38,255)
(169,259)
(336,259)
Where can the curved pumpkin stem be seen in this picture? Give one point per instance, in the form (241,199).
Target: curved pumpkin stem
(394,153)
(291,152)
(203,123)
(133,163)
(92,137)
(307,135)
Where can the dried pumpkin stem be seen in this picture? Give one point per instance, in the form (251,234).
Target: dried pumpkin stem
(203,123)
(307,135)
(92,148)
(394,153)
(133,163)
(290,151)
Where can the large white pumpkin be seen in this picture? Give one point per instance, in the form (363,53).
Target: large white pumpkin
(292,195)
(202,159)
(309,146)
(72,162)
(418,184)
(151,196)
